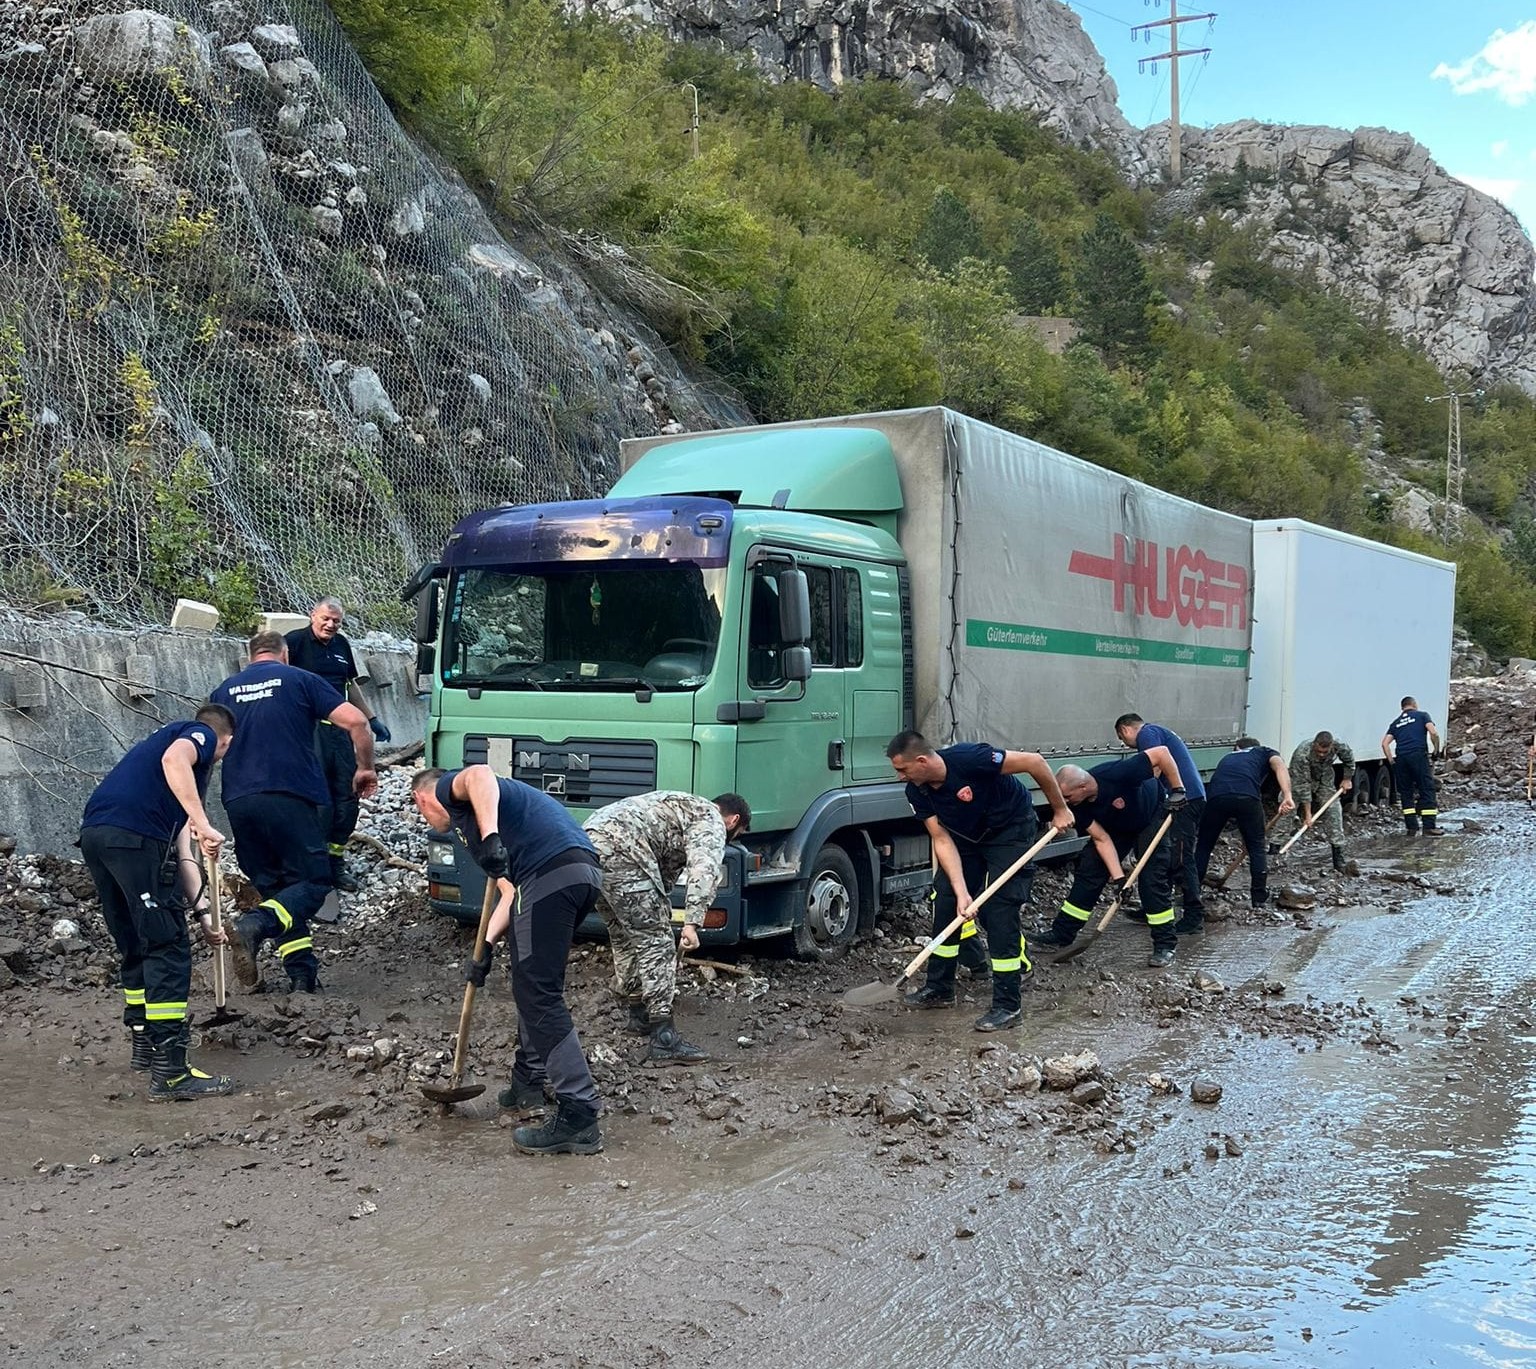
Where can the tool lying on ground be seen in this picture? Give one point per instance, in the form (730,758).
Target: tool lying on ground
(866,995)
(1309,824)
(455,1091)
(222,1014)
(684,962)
(1237,860)
(1097,930)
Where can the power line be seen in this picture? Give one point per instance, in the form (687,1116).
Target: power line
(1113,18)
(1172,56)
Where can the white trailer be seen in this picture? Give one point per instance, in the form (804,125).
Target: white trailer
(1343,628)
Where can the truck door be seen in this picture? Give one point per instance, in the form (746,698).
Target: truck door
(873,663)
(799,749)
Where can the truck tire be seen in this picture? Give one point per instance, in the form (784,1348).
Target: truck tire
(830,920)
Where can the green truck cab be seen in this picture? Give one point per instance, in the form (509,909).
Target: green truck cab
(744,612)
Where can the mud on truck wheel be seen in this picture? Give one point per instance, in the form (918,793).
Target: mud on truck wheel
(831,917)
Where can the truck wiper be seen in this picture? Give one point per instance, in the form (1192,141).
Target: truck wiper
(611,682)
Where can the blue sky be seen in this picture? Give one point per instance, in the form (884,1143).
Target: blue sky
(1436,69)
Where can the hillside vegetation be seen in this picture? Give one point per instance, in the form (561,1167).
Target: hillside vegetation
(858,251)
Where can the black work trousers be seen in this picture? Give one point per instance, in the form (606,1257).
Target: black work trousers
(338,758)
(1416,789)
(136,879)
(549,908)
(1248,814)
(280,847)
(1183,837)
(1152,885)
(983,862)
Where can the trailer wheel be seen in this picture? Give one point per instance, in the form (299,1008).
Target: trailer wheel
(831,918)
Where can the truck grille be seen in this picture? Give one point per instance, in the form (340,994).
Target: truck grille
(579,772)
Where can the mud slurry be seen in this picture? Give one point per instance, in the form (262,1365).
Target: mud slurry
(834,1185)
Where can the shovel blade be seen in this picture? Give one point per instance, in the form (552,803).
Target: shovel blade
(869,995)
(1074,950)
(452,1093)
(221,1017)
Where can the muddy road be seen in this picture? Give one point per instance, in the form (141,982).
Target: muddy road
(837,1186)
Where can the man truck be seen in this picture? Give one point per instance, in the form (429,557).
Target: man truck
(760,610)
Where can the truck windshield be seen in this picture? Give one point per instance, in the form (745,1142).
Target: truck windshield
(617,627)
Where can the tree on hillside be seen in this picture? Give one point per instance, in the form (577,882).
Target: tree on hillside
(949,233)
(1114,294)
(1034,269)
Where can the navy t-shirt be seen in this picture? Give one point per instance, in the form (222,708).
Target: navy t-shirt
(1242,774)
(534,827)
(1410,730)
(1189,773)
(332,661)
(1128,799)
(135,795)
(975,797)
(276,707)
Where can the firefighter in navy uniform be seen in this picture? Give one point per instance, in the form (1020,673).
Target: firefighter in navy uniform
(1120,805)
(276,797)
(322,650)
(1183,834)
(980,820)
(136,838)
(1414,737)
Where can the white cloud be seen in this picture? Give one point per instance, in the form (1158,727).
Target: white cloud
(1505,65)
(1500,148)
(1502,189)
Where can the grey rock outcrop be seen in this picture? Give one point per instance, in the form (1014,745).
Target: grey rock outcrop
(1371,214)
(138,44)
(1026,54)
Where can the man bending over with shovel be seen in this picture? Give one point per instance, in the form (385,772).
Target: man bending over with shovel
(549,879)
(980,820)
(1119,805)
(645,843)
(136,838)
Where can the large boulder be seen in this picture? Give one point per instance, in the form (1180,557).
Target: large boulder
(140,45)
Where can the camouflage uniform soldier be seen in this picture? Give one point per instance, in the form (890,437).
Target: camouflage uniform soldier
(1312,786)
(646,843)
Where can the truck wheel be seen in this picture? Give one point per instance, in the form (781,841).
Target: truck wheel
(831,918)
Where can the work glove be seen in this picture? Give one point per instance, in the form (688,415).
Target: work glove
(1116,889)
(475,970)
(492,856)
(380,732)
(1176,799)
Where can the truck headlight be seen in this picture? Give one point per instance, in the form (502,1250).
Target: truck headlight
(439,853)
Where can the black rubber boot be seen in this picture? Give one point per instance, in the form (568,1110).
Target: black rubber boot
(1411,826)
(304,979)
(342,879)
(143,1056)
(1161,958)
(639,1019)
(1191,924)
(1260,898)
(172,1079)
(668,1048)
(999,1019)
(1063,932)
(572,1130)
(929,997)
(245,941)
(1339,863)
(524,1095)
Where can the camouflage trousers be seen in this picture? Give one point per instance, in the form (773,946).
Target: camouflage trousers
(639,922)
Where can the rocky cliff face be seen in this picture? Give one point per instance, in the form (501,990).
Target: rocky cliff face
(1030,54)
(1372,215)
(1369,212)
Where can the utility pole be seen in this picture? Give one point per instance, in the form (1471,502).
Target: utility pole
(693,128)
(1453,467)
(1171,23)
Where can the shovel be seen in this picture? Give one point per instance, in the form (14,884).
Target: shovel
(1307,827)
(222,1014)
(1097,930)
(866,995)
(457,1092)
(1237,860)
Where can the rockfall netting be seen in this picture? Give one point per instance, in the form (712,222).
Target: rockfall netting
(254,346)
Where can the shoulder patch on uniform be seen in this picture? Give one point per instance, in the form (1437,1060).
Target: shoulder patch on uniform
(998,757)
(201,738)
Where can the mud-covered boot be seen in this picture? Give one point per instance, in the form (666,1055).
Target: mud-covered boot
(303,979)
(1063,932)
(639,1020)
(250,930)
(173,1080)
(143,1056)
(524,1095)
(929,996)
(668,1048)
(1339,863)
(571,1130)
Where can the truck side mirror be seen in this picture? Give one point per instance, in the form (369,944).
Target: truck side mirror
(426,658)
(794,609)
(426,614)
(796,663)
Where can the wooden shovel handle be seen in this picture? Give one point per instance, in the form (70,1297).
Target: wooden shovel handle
(921,958)
(216,916)
(461,1042)
(1308,826)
